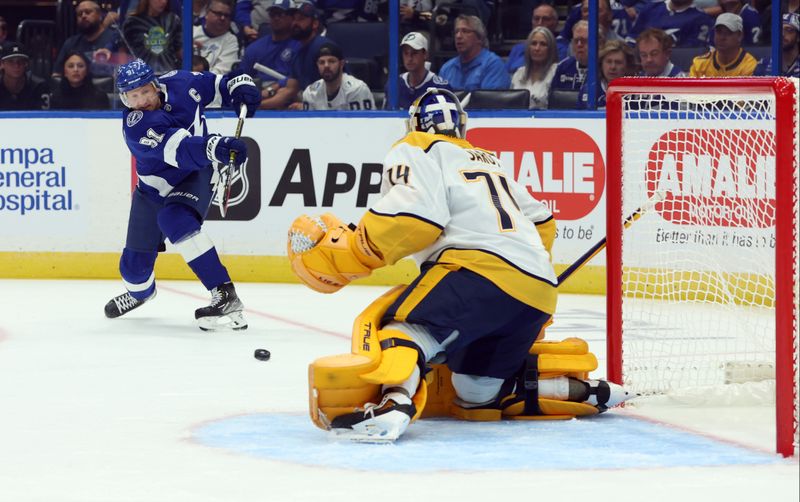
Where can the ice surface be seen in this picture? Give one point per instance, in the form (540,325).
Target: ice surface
(149,408)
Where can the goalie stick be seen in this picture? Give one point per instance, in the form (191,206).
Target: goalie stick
(592,252)
(228,172)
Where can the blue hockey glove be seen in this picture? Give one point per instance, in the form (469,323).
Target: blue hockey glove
(242,90)
(219,148)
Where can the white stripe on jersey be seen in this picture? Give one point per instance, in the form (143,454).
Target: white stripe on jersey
(172,144)
(156,182)
(353,95)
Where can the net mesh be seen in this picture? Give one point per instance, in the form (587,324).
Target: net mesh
(699,267)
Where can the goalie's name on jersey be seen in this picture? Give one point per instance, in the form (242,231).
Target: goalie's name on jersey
(483,220)
(353,95)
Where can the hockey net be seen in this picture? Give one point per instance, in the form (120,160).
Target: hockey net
(703,287)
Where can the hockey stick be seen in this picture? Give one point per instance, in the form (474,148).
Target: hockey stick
(228,173)
(269,71)
(594,250)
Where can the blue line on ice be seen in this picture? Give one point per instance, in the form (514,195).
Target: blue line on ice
(604,442)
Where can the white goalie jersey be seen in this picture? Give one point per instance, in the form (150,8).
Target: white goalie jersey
(353,95)
(449,202)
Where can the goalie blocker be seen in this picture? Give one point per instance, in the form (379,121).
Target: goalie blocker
(552,384)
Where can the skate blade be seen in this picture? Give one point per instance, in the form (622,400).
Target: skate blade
(382,429)
(363,437)
(230,322)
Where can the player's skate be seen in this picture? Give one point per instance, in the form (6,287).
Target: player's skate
(602,395)
(124,303)
(224,312)
(376,423)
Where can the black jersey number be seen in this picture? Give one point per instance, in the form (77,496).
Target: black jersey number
(365,104)
(504,218)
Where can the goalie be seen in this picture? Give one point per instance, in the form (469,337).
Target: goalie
(485,291)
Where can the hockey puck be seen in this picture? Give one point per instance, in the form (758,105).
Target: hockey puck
(262,354)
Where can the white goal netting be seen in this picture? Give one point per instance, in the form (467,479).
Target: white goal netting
(698,268)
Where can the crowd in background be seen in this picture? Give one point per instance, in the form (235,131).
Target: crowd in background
(464,46)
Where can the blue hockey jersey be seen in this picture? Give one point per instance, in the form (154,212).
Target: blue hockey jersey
(689,27)
(169,143)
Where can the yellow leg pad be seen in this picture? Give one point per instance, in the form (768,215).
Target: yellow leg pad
(335,387)
(476,415)
(562,364)
(440,392)
(553,409)
(566,346)
(396,363)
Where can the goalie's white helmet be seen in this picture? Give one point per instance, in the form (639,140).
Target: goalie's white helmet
(437,111)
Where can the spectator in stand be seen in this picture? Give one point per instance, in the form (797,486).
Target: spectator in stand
(616,59)
(3,32)
(18,91)
(305,29)
(415,15)
(215,41)
(199,63)
(475,66)
(751,19)
(686,24)
(544,15)
(418,78)
(537,73)
(76,91)
(128,7)
(727,58)
(655,49)
(334,11)
(154,35)
(571,71)
(612,17)
(277,52)
(251,15)
(790,49)
(100,45)
(336,90)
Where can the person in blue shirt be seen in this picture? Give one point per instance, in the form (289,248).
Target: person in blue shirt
(571,71)
(546,16)
(475,66)
(277,52)
(790,49)
(686,24)
(177,161)
(418,78)
(616,59)
(305,29)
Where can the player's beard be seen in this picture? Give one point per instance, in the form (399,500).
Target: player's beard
(301,34)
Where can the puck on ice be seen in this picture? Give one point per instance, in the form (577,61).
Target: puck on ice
(262,354)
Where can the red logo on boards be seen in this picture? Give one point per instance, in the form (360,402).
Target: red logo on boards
(721,177)
(561,167)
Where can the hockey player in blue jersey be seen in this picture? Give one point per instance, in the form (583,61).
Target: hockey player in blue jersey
(176,164)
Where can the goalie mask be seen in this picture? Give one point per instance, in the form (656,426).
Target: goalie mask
(437,111)
(132,76)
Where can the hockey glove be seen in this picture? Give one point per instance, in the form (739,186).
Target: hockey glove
(243,91)
(219,148)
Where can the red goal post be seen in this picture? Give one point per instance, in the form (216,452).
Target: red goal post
(703,257)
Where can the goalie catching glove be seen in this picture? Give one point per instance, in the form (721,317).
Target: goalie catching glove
(326,254)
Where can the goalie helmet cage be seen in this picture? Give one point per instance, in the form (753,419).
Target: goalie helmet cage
(703,289)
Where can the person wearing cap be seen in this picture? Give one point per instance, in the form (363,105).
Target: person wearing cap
(475,66)
(418,78)
(727,58)
(214,40)
(751,19)
(790,51)
(19,92)
(93,39)
(277,52)
(306,27)
(336,90)
(688,25)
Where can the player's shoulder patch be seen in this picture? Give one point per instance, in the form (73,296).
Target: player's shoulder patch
(133,118)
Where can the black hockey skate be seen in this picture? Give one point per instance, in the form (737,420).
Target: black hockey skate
(124,303)
(225,311)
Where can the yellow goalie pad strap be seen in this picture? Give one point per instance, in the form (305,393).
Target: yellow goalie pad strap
(327,257)
(397,236)
(396,363)
(547,232)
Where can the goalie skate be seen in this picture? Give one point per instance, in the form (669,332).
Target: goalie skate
(376,423)
(124,303)
(224,312)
